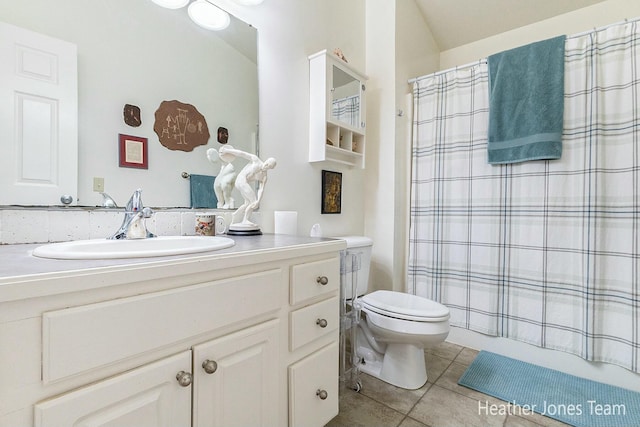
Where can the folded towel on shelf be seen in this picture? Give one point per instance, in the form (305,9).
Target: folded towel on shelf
(526,102)
(202,193)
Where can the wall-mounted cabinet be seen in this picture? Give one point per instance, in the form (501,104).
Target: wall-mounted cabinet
(336,110)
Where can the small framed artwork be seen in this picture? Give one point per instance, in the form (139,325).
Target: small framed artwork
(331,192)
(133,152)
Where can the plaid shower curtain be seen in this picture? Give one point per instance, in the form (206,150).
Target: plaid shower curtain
(347,110)
(544,252)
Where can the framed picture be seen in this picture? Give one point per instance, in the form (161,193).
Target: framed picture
(133,152)
(331,192)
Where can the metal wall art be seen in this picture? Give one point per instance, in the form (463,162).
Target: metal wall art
(223,135)
(132,115)
(180,126)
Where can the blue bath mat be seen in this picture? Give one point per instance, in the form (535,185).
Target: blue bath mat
(567,398)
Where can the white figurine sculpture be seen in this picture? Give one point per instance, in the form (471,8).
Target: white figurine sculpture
(254,172)
(224,182)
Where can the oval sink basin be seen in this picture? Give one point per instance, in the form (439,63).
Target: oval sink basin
(139,248)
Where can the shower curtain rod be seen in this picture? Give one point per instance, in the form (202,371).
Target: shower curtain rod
(484,60)
(457,67)
(595,30)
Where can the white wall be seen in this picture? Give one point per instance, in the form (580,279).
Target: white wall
(416,54)
(380,165)
(398,49)
(289,31)
(598,15)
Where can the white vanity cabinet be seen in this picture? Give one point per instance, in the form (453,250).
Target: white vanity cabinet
(236,339)
(233,379)
(336,111)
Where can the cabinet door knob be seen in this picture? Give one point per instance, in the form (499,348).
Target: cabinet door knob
(322,323)
(184,378)
(323,280)
(322,394)
(209,366)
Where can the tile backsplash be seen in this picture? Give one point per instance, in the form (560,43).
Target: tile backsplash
(35,225)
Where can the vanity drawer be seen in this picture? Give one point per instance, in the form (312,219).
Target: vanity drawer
(310,380)
(312,279)
(312,322)
(78,339)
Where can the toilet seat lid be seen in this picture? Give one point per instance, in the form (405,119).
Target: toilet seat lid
(405,306)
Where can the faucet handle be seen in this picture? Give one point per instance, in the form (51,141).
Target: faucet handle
(107,201)
(135,201)
(136,228)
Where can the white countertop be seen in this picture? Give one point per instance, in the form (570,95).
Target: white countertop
(19,267)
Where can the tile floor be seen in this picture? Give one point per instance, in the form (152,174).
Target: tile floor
(440,402)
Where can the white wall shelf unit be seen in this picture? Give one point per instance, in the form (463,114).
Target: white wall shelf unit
(336,110)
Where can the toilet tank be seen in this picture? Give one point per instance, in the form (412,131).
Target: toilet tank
(356,265)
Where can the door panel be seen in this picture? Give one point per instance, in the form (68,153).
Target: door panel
(38,118)
(242,389)
(149,396)
(313,388)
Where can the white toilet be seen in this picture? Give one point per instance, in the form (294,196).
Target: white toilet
(395,327)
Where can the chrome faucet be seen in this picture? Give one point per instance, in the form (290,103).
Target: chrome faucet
(133,225)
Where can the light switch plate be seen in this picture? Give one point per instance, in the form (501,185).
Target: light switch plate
(98,184)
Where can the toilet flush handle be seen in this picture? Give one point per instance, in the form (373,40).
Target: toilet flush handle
(323,280)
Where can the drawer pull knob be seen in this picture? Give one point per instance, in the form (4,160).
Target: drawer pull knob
(322,394)
(322,323)
(323,280)
(184,378)
(209,366)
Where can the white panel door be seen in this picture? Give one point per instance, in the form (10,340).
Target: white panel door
(149,396)
(38,118)
(236,379)
(313,388)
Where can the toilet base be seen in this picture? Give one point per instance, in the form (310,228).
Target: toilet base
(402,365)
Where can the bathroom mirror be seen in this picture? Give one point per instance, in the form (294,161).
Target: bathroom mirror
(345,102)
(138,53)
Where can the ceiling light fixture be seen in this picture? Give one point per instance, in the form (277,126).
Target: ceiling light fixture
(171,4)
(249,2)
(208,15)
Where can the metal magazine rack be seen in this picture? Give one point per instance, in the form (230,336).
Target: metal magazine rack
(349,318)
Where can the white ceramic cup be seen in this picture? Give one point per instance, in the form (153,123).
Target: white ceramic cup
(221,225)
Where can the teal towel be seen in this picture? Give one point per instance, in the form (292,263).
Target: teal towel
(526,102)
(202,193)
